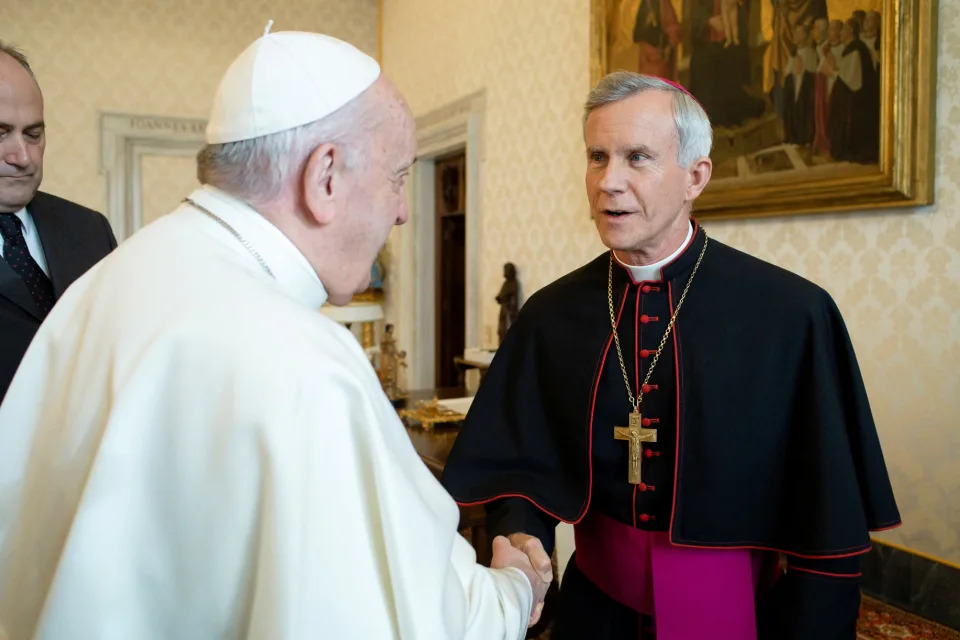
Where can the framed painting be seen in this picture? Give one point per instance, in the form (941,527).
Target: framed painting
(816,105)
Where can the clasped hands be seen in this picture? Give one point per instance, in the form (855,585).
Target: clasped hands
(525,552)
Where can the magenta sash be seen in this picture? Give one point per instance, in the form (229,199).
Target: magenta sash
(691,594)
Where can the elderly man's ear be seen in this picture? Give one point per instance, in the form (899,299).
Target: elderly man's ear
(698,176)
(322,182)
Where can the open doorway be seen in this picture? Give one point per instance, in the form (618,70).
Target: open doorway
(451,241)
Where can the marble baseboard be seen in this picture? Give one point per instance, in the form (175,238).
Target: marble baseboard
(922,586)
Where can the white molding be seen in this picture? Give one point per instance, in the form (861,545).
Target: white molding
(458,125)
(124,140)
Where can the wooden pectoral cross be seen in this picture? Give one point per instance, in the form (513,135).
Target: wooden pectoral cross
(636,434)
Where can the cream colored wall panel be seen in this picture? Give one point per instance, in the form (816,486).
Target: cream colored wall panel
(165,181)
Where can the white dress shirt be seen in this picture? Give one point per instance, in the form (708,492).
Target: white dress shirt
(32,238)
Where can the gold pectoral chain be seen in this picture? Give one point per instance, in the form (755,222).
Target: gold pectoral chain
(635,402)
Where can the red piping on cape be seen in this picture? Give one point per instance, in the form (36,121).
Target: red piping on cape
(824,573)
(636,346)
(676,468)
(593,406)
(637,338)
(596,385)
(676,386)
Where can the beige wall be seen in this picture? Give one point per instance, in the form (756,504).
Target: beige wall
(895,275)
(161,57)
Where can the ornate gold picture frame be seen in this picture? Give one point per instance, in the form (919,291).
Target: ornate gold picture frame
(760,69)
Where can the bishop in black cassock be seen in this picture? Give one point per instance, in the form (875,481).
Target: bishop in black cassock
(765,444)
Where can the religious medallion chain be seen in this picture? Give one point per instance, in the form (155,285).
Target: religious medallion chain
(235,233)
(635,402)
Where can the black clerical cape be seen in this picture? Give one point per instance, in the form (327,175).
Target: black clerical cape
(765,436)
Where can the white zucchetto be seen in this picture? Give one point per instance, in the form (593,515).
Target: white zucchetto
(284,80)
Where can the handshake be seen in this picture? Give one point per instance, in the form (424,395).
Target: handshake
(525,552)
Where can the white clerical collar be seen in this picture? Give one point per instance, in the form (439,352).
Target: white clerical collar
(651,272)
(288,265)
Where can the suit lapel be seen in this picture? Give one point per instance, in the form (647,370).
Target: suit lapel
(58,245)
(15,289)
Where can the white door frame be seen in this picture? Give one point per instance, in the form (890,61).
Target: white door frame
(124,140)
(458,125)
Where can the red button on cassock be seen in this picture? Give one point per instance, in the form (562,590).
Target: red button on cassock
(646,288)
(644,319)
(646,422)
(642,486)
(644,353)
(647,453)
(646,388)
(645,518)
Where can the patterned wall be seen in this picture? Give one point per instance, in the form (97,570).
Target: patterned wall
(154,58)
(164,181)
(895,274)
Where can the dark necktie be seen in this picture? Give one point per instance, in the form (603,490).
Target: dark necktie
(17,255)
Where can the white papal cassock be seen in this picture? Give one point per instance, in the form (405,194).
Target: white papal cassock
(190,450)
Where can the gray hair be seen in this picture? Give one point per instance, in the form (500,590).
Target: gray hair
(694,133)
(19,56)
(257,170)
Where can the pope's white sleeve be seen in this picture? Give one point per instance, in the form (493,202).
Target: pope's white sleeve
(497,601)
(369,534)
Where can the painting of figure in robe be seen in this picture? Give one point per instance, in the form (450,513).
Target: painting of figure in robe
(789,85)
(656,32)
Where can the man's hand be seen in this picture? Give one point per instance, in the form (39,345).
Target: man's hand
(535,551)
(506,555)
(539,559)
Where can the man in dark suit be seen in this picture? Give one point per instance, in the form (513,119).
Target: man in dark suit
(48,242)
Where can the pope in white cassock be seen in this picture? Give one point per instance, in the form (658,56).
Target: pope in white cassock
(190,450)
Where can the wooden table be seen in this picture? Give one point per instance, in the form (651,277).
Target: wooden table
(434,446)
(462,365)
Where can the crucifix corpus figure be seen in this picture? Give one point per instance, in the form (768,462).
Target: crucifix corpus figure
(636,434)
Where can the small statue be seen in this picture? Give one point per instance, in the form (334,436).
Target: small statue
(390,364)
(509,300)
(401,386)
